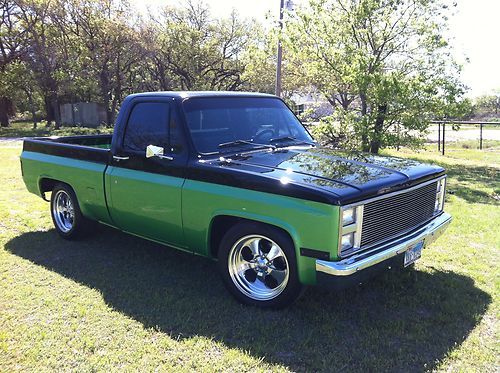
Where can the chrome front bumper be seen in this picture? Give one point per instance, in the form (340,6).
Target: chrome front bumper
(366,259)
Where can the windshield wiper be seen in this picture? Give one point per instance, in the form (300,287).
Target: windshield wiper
(291,138)
(244,142)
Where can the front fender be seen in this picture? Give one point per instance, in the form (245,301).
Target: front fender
(311,225)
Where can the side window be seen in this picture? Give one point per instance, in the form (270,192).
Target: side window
(147,125)
(176,138)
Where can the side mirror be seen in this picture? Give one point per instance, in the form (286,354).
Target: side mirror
(156,151)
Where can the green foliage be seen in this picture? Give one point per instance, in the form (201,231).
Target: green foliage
(337,130)
(260,62)
(385,60)
(487,106)
(25,129)
(383,64)
(101,51)
(198,52)
(17,80)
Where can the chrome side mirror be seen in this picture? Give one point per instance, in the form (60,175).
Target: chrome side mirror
(157,151)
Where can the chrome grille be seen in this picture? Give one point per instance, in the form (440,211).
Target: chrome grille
(388,217)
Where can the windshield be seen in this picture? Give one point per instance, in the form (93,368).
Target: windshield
(222,123)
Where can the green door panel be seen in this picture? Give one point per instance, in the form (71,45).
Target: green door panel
(146,204)
(86,179)
(311,225)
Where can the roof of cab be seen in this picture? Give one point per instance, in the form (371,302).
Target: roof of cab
(190,94)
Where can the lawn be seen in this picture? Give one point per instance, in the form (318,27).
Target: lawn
(115,302)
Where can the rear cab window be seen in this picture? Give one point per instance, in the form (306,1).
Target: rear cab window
(148,124)
(153,123)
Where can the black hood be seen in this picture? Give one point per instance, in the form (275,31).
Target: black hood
(345,177)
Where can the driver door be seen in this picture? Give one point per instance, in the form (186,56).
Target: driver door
(144,194)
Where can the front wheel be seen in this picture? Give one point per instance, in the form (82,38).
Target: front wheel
(258,265)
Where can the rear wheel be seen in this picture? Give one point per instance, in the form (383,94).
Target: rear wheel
(65,211)
(258,265)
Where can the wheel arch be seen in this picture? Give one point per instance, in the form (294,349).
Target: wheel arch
(222,222)
(47,184)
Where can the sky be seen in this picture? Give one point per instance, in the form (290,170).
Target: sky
(474,33)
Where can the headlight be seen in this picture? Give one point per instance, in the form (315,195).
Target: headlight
(440,195)
(347,241)
(351,219)
(348,216)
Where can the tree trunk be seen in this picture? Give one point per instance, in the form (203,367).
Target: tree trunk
(117,96)
(54,103)
(114,104)
(4,118)
(49,115)
(51,102)
(6,110)
(345,101)
(365,145)
(109,113)
(32,107)
(379,127)
(106,93)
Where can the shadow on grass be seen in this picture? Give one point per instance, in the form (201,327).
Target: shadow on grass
(468,175)
(466,179)
(403,321)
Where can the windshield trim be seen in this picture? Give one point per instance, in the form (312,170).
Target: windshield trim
(246,95)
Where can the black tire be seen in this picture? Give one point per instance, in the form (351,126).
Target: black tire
(79,223)
(233,248)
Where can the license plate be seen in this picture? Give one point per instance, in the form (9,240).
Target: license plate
(413,253)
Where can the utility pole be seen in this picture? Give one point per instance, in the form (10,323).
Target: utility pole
(280,52)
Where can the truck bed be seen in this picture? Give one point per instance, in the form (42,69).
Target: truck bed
(93,148)
(80,161)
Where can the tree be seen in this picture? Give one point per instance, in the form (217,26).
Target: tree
(260,65)
(385,60)
(47,52)
(12,43)
(17,85)
(103,33)
(202,53)
(154,73)
(487,105)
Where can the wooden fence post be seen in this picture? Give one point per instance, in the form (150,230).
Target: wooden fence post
(444,139)
(442,131)
(439,136)
(481,136)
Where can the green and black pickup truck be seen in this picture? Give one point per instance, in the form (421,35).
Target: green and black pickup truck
(236,177)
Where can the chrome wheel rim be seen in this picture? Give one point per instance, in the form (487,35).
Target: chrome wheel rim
(63,211)
(258,267)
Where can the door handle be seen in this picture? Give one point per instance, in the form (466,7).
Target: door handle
(117,158)
(165,157)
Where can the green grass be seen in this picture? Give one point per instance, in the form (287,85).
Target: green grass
(468,144)
(460,151)
(115,302)
(25,129)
